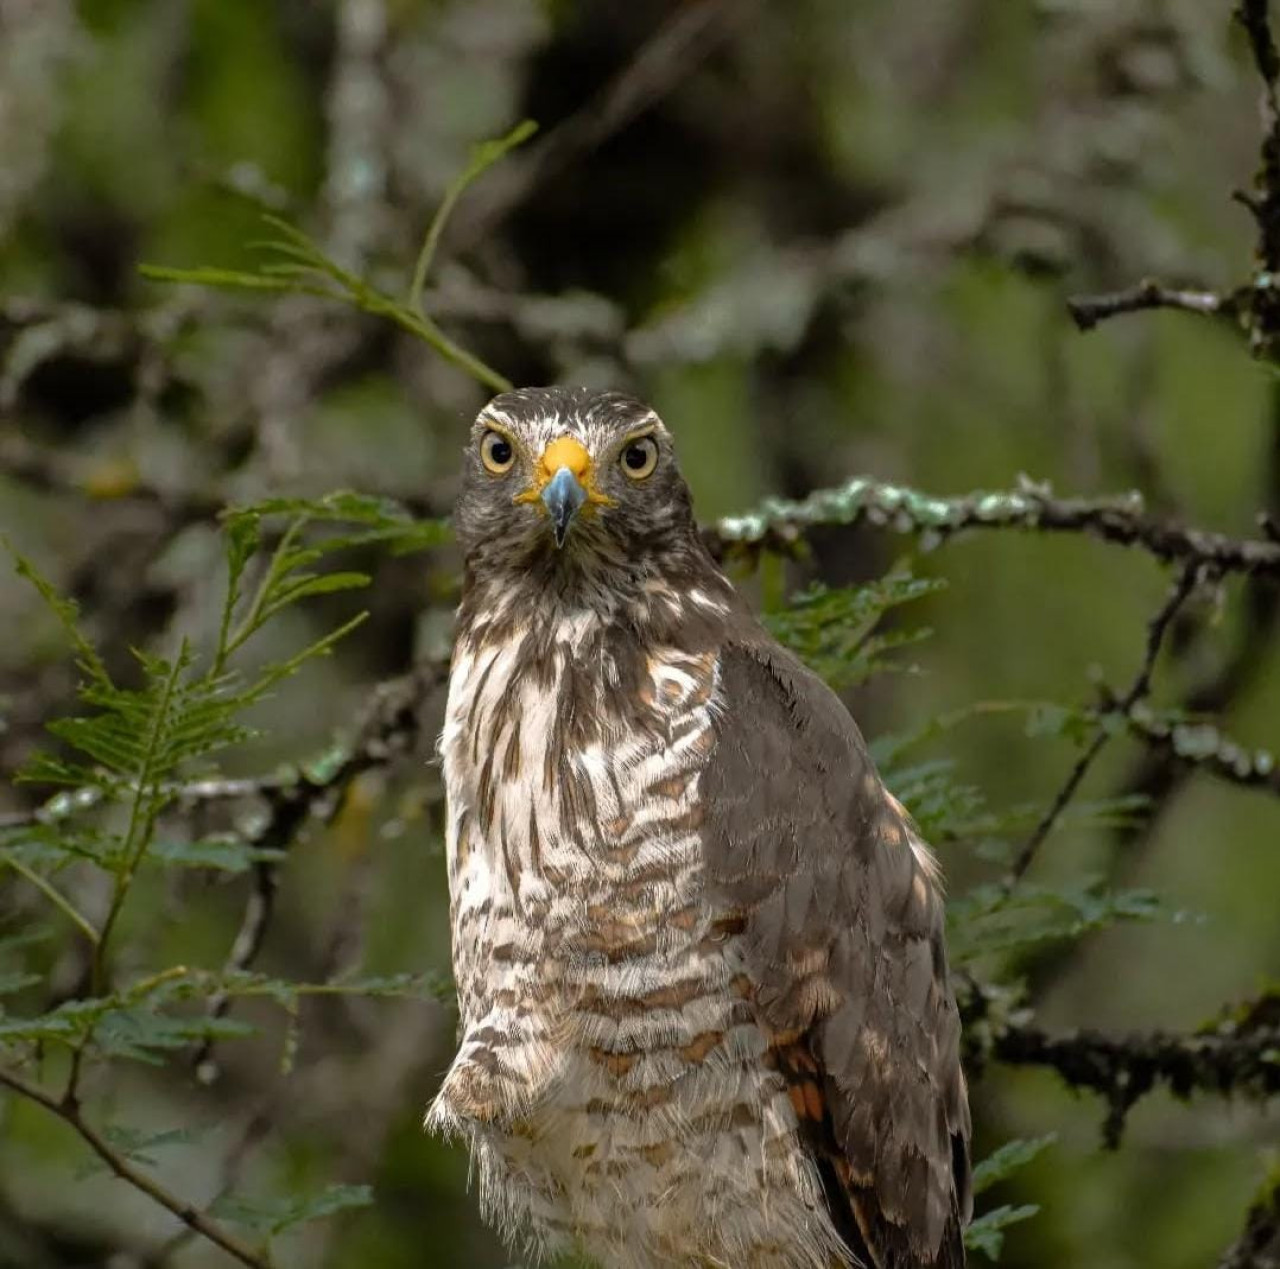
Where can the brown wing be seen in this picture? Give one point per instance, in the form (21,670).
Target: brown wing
(844,936)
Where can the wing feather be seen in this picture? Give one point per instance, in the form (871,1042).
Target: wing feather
(843,929)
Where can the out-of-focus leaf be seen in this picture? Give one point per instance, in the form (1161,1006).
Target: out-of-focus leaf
(136,1146)
(1008,1159)
(223,854)
(273,1216)
(986,1232)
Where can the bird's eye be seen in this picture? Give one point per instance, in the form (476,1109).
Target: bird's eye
(640,457)
(497,453)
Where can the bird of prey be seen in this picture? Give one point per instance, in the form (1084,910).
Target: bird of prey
(705,1010)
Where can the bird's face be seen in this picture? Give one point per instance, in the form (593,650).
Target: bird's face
(570,478)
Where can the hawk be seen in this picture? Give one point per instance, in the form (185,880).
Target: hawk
(705,1010)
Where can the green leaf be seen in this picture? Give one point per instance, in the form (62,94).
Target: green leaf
(14,981)
(223,854)
(1008,1159)
(986,1232)
(67,1023)
(65,610)
(136,1146)
(144,1036)
(992,919)
(273,1216)
(833,630)
(233,280)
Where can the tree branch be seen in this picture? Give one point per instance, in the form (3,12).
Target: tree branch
(780,525)
(1088,310)
(1138,689)
(1202,746)
(1234,1055)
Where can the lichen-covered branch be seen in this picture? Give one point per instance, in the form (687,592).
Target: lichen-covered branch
(779,525)
(1203,746)
(1238,1054)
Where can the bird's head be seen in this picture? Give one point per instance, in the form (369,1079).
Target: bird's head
(570,479)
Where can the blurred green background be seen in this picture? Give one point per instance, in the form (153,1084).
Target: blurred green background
(824,238)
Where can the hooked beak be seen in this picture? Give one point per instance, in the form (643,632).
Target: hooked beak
(563,495)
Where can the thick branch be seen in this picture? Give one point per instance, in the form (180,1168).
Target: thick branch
(189,1215)
(1236,1055)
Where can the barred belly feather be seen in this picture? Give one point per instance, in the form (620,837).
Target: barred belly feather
(612,1083)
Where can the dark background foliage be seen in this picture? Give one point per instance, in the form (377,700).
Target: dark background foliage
(826,240)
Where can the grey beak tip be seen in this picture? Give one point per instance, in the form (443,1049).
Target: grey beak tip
(563,496)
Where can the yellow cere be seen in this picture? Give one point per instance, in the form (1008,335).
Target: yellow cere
(566,451)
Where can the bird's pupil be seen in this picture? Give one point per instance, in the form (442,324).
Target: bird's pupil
(500,451)
(636,457)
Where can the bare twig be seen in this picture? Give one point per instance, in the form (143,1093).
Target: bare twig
(1088,310)
(188,1214)
(1254,303)
(1138,689)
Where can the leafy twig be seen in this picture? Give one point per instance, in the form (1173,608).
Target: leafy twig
(483,157)
(297,265)
(187,1213)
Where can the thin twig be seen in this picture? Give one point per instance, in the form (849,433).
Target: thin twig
(55,896)
(483,158)
(1138,689)
(1088,310)
(188,1214)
